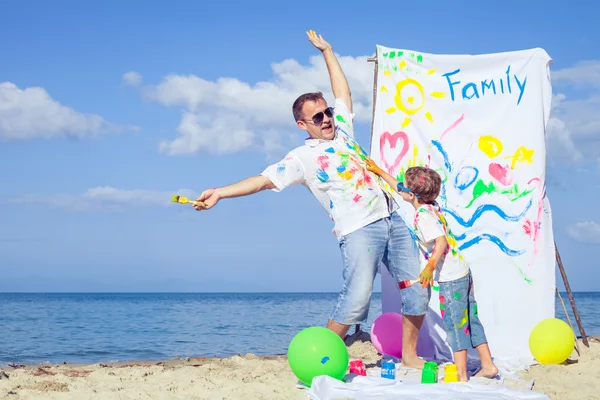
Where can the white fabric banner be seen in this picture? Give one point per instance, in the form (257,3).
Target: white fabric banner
(480,121)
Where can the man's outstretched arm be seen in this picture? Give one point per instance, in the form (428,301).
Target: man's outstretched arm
(209,198)
(339,83)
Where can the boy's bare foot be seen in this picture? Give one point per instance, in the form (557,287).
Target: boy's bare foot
(489,371)
(413,362)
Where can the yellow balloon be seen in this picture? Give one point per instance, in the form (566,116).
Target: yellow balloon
(551,341)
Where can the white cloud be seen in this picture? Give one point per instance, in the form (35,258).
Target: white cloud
(574,125)
(228,115)
(584,73)
(132,78)
(31,113)
(104,198)
(559,140)
(573,130)
(585,232)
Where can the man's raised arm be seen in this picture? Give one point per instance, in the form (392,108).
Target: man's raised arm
(209,198)
(339,83)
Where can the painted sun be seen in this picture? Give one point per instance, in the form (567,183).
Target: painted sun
(410,97)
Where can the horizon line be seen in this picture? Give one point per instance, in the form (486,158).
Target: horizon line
(226,292)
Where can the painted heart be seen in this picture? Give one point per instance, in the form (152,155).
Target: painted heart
(502,174)
(392,139)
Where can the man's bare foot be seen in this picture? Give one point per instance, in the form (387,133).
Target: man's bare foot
(489,371)
(413,362)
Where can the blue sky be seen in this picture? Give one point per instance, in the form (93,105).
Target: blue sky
(106,109)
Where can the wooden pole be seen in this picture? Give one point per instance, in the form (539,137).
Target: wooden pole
(584,338)
(375,71)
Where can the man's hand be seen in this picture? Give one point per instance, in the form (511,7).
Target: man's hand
(426,277)
(374,168)
(318,41)
(207,200)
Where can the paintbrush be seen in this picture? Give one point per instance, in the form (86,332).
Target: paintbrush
(407,283)
(184,200)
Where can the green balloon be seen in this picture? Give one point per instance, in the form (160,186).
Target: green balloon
(317,351)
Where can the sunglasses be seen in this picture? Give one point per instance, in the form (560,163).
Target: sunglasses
(400,188)
(318,118)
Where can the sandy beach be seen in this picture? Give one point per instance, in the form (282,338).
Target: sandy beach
(243,376)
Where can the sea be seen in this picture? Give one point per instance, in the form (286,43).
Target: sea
(103,327)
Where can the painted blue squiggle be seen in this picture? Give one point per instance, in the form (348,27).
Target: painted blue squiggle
(460,238)
(438,145)
(487,207)
(493,239)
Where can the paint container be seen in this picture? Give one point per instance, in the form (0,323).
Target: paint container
(357,367)
(429,373)
(388,370)
(451,373)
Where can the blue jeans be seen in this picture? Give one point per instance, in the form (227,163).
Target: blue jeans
(459,311)
(387,240)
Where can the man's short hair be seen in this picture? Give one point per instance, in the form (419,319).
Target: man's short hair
(425,182)
(299,103)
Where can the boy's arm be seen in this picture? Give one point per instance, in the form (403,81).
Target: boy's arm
(376,169)
(339,83)
(440,246)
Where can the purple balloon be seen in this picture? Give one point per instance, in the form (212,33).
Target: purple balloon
(386,334)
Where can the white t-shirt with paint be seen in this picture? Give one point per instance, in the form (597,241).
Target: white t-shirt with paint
(335,173)
(430,224)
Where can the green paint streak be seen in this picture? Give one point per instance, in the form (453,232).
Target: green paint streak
(442,173)
(341,119)
(457,295)
(442,307)
(371,202)
(395,68)
(344,157)
(475,309)
(400,53)
(400,176)
(481,188)
(419,58)
(392,54)
(525,277)
(464,320)
(412,55)
(385,54)
(436,288)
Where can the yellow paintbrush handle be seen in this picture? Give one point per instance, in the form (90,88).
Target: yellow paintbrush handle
(185,200)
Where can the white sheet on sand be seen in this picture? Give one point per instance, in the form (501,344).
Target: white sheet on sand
(407,385)
(376,388)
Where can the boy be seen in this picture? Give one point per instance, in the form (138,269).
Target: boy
(438,244)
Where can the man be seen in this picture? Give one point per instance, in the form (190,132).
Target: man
(332,166)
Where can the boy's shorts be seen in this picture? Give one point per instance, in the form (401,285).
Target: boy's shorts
(459,311)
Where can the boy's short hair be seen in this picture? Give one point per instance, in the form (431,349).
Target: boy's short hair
(425,182)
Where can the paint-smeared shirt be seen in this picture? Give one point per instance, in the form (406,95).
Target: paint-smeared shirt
(430,224)
(335,173)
